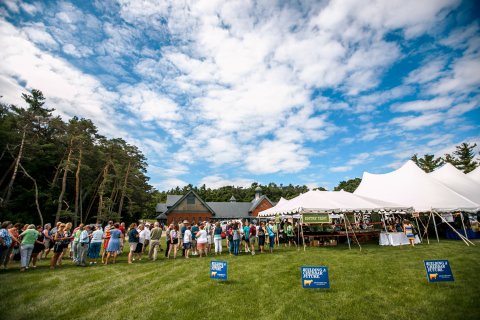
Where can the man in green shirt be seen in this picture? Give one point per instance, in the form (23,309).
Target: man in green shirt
(155,235)
(28,237)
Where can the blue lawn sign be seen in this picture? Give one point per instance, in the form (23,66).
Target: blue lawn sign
(315,277)
(218,270)
(438,270)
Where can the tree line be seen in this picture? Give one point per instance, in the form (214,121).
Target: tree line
(52,169)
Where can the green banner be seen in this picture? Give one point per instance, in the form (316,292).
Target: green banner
(316,218)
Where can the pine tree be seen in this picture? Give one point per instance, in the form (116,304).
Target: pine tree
(465,155)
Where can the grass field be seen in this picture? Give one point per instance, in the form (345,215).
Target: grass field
(375,283)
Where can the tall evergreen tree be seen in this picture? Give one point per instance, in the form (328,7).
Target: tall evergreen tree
(465,155)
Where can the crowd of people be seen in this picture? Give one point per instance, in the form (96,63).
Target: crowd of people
(87,244)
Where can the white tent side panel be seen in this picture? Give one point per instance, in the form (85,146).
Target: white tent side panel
(411,186)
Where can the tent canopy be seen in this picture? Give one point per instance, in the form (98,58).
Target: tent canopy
(330,201)
(457,181)
(412,186)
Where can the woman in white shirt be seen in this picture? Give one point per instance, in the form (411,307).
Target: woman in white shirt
(202,240)
(95,244)
(187,238)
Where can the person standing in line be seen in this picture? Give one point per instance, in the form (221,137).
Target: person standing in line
(58,239)
(141,241)
(217,238)
(271,235)
(208,229)
(68,237)
(173,241)
(236,238)
(290,234)
(155,236)
(408,230)
(261,237)
(76,242)
(122,239)
(95,244)
(187,238)
(28,237)
(202,241)
(38,246)
(246,232)
(252,236)
(5,243)
(167,243)
(83,244)
(147,237)
(13,231)
(48,240)
(182,228)
(194,230)
(114,243)
(106,239)
(132,241)
(230,238)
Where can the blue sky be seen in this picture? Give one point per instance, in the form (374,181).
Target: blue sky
(232,92)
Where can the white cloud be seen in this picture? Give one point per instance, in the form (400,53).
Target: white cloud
(217,181)
(341,169)
(416,122)
(423,105)
(277,156)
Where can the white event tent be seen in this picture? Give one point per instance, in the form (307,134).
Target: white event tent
(457,181)
(412,186)
(475,175)
(330,202)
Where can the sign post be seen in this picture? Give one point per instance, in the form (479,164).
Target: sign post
(218,270)
(438,270)
(315,277)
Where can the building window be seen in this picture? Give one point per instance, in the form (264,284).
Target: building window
(191,199)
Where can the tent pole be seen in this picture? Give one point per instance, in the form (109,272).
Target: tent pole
(346,230)
(303,236)
(385,226)
(435,225)
(459,234)
(425,231)
(463,224)
(298,235)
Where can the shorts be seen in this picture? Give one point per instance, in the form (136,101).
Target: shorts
(291,238)
(209,239)
(139,248)
(187,245)
(201,246)
(133,246)
(174,242)
(261,240)
(252,239)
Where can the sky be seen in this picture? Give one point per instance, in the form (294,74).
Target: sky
(235,92)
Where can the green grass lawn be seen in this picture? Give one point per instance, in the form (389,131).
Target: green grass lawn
(375,283)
